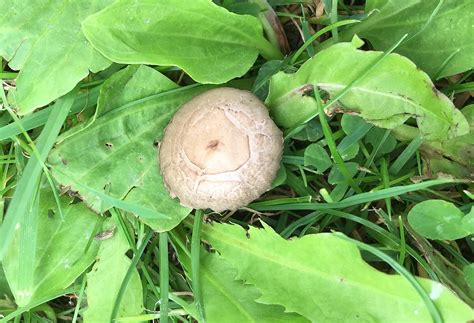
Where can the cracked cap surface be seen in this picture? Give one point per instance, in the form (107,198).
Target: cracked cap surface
(220,151)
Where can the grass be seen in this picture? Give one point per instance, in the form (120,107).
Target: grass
(370,208)
(27,185)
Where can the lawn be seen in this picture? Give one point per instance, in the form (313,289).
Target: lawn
(237,161)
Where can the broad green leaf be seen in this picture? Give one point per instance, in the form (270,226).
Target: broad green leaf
(326,277)
(105,279)
(116,155)
(394,91)
(43,39)
(447,37)
(438,219)
(64,249)
(317,157)
(226,299)
(209,43)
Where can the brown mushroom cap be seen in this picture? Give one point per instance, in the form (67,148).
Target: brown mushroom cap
(220,151)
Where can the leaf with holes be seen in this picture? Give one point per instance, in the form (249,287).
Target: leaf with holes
(105,279)
(326,278)
(43,39)
(393,91)
(64,249)
(116,155)
(441,33)
(454,156)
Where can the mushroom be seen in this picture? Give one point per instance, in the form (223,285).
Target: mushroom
(220,151)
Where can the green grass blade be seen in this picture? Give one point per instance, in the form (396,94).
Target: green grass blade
(349,86)
(319,34)
(405,156)
(356,199)
(458,88)
(120,223)
(128,275)
(387,235)
(195,261)
(32,172)
(27,245)
(401,257)
(386,184)
(332,144)
(353,138)
(21,310)
(164,278)
(8,75)
(335,33)
(376,149)
(37,119)
(121,204)
(33,150)
(306,32)
(79,299)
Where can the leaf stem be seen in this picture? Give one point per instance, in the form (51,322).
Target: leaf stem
(271,25)
(268,51)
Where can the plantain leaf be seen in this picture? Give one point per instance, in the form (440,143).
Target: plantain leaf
(394,91)
(209,43)
(62,251)
(438,219)
(43,39)
(105,279)
(439,32)
(327,279)
(116,155)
